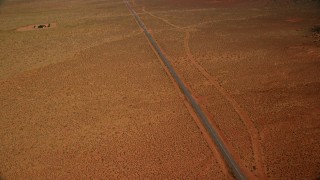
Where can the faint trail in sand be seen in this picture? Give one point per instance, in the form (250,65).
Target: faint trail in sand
(253,132)
(194,116)
(234,167)
(162,19)
(185,28)
(186,10)
(222,20)
(186,103)
(207,137)
(254,135)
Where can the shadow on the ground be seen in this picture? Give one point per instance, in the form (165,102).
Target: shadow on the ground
(1,4)
(316,29)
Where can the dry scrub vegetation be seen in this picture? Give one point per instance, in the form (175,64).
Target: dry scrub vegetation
(81,24)
(254,68)
(89,99)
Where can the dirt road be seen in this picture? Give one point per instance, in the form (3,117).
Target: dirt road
(253,66)
(90,99)
(103,109)
(236,170)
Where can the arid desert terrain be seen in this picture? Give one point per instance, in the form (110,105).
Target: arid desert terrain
(84,95)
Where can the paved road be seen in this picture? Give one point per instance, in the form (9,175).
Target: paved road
(225,153)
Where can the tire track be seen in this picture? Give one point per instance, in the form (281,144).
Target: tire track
(205,133)
(185,28)
(228,158)
(253,132)
(162,19)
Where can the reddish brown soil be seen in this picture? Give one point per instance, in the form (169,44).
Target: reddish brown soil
(90,99)
(254,67)
(96,105)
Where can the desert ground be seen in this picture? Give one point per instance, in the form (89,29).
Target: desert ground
(86,96)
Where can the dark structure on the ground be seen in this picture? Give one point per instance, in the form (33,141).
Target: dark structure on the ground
(42,26)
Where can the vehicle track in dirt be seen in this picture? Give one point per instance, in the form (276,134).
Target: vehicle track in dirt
(252,131)
(195,117)
(236,170)
(162,19)
(187,28)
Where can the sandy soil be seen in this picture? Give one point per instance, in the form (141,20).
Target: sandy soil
(90,99)
(254,68)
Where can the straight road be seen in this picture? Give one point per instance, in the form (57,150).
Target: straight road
(225,153)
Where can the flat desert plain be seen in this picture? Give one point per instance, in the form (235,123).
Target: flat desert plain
(83,95)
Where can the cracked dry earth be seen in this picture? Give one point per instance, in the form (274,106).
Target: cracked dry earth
(90,99)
